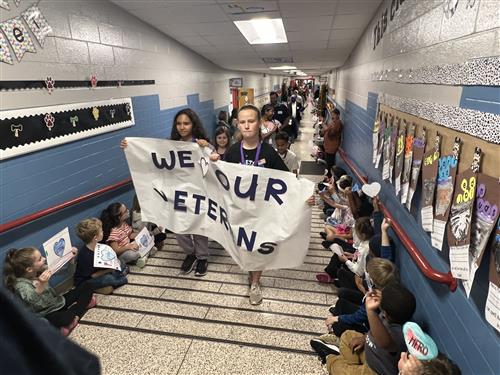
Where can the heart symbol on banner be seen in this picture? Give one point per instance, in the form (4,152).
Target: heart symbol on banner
(59,247)
(419,344)
(372,189)
(204,166)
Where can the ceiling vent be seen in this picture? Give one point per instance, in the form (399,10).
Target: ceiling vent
(237,9)
(277,60)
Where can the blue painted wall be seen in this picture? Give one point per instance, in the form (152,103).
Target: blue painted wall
(454,321)
(42,179)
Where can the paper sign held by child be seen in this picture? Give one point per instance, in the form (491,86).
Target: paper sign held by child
(58,250)
(145,241)
(105,257)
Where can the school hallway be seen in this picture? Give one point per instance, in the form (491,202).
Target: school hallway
(163,322)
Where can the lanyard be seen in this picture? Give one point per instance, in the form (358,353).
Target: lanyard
(257,154)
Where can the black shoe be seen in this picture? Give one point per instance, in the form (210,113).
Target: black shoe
(323,349)
(188,264)
(326,244)
(323,235)
(201,268)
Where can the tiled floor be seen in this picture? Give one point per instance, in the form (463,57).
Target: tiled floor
(166,323)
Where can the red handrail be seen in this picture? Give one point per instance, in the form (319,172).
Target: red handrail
(37,215)
(416,255)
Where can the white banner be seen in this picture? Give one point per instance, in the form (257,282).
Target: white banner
(260,216)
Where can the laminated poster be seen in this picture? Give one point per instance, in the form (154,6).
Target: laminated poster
(381,136)
(375,135)
(405,177)
(105,257)
(459,226)
(492,308)
(400,156)
(392,150)
(429,172)
(484,218)
(416,164)
(447,171)
(58,250)
(387,149)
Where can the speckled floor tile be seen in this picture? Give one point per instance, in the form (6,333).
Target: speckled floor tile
(177,264)
(180,283)
(319,260)
(224,359)
(122,318)
(304,285)
(289,273)
(291,295)
(320,252)
(227,332)
(331,299)
(132,353)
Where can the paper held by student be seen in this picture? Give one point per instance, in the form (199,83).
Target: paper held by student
(58,250)
(258,215)
(105,257)
(145,241)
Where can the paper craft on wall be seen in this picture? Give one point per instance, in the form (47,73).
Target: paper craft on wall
(392,148)
(484,216)
(375,135)
(18,37)
(27,130)
(416,164)
(492,308)
(37,23)
(447,171)
(459,226)
(5,55)
(387,148)
(429,172)
(405,177)
(399,157)
(381,135)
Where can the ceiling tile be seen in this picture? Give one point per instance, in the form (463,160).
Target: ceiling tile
(181,14)
(297,36)
(221,40)
(179,29)
(336,43)
(357,6)
(346,33)
(309,45)
(308,23)
(311,8)
(348,20)
(214,28)
(193,41)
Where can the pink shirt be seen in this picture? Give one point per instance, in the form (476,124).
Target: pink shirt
(120,235)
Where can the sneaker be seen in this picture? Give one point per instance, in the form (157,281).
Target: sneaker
(323,349)
(323,235)
(141,262)
(65,331)
(126,271)
(153,251)
(188,264)
(92,303)
(323,277)
(330,339)
(104,290)
(201,268)
(255,294)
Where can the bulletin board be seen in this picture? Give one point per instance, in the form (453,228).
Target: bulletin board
(245,96)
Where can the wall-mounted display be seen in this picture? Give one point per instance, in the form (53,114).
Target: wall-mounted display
(429,172)
(50,84)
(405,178)
(381,135)
(235,82)
(492,308)
(32,129)
(400,156)
(392,147)
(375,135)
(387,147)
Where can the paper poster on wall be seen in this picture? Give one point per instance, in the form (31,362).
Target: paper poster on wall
(105,257)
(375,135)
(58,250)
(18,37)
(400,155)
(459,226)
(145,241)
(416,166)
(429,173)
(387,149)
(484,217)
(381,136)
(405,177)
(492,308)
(392,147)
(447,170)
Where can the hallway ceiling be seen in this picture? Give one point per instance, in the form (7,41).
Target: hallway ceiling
(321,33)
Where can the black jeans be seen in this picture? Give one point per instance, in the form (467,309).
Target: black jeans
(354,296)
(76,304)
(347,278)
(335,264)
(345,307)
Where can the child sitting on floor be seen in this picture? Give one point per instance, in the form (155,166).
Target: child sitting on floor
(154,230)
(102,280)
(25,273)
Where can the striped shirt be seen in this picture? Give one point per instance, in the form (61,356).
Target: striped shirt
(120,235)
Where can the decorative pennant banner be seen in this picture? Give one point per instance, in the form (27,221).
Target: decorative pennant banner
(387,148)
(400,156)
(405,178)
(492,308)
(392,147)
(459,226)
(17,2)
(37,23)
(19,38)
(5,55)
(375,135)
(27,130)
(416,164)
(429,172)
(484,217)
(4,4)
(381,135)
(447,171)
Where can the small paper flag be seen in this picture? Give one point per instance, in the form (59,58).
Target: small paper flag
(5,55)
(18,37)
(37,23)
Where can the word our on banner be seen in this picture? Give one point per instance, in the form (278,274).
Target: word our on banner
(260,216)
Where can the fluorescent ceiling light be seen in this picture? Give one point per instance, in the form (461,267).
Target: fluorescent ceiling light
(263,30)
(283,67)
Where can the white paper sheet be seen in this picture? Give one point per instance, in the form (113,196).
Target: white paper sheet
(492,308)
(145,241)
(105,257)
(459,261)
(58,250)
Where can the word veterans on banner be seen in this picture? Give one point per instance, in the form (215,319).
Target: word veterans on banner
(258,215)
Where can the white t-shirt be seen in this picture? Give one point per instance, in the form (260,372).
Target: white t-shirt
(291,160)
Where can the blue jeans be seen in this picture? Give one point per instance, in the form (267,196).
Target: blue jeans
(114,279)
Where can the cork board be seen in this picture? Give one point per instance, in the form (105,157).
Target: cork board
(490,163)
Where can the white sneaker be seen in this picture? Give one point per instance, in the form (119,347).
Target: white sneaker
(255,294)
(153,251)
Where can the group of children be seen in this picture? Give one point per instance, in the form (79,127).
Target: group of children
(366,331)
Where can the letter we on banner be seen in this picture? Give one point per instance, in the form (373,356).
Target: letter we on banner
(260,216)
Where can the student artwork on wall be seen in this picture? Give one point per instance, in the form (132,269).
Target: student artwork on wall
(18,37)
(387,148)
(399,157)
(416,164)
(492,308)
(447,170)
(392,148)
(32,129)
(405,177)
(484,217)
(381,136)
(429,172)
(459,226)
(375,135)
